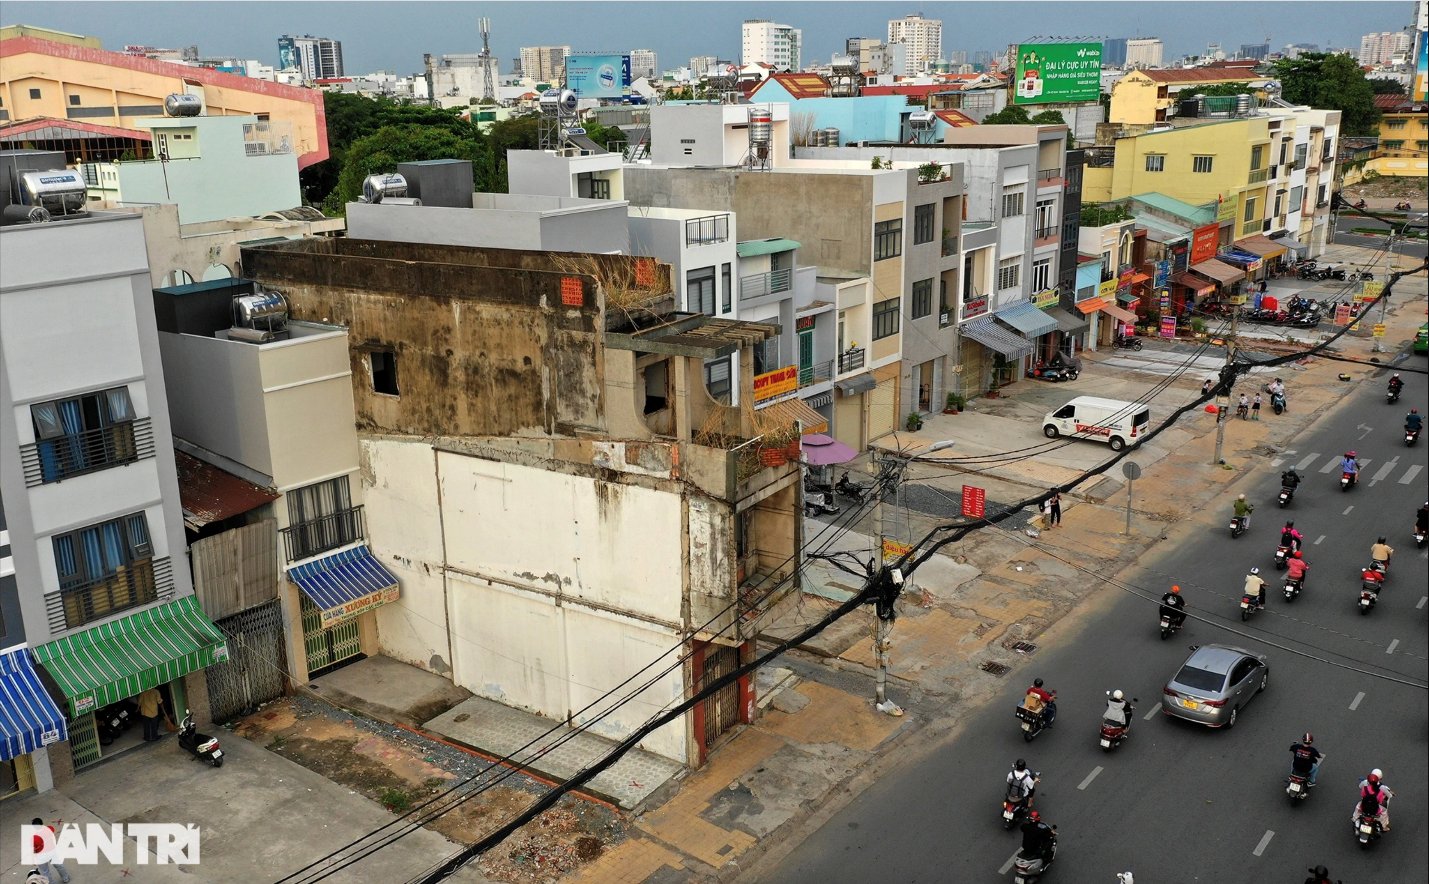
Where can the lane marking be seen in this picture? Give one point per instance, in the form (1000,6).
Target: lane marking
(1347,510)
(1306,462)
(1384,471)
(1392,645)
(1364,464)
(1277,461)
(1422,600)
(1355,703)
(1321,537)
(1264,842)
(1091,776)
(1008,865)
(1329,467)
(1367,430)
(1152,714)
(1409,474)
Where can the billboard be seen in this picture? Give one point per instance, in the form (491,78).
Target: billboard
(1204,243)
(598,76)
(1058,72)
(1421,66)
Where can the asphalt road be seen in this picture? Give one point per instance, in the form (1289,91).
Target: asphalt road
(1344,237)
(1179,802)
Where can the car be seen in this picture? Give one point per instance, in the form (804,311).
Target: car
(1214,683)
(1421,339)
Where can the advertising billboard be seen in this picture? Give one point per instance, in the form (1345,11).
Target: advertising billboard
(1421,67)
(598,76)
(1204,243)
(1057,72)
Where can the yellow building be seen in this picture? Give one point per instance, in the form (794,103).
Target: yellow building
(68,80)
(1142,98)
(1404,130)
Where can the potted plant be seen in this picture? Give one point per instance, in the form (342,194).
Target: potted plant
(959,402)
(949,407)
(914,422)
(992,390)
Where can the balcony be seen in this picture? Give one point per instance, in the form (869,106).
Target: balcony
(818,373)
(1258,176)
(761,284)
(851,360)
(316,536)
(135,584)
(1250,227)
(1049,177)
(53,460)
(950,246)
(707,230)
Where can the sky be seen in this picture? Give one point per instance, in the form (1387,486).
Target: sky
(393,36)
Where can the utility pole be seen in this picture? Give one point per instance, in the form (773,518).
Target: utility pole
(1384,302)
(883,621)
(1228,379)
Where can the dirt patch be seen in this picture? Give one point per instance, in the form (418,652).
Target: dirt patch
(1387,187)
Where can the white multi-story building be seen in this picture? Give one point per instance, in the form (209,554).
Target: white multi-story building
(1144,53)
(771,43)
(317,57)
(644,63)
(1381,48)
(700,65)
(923,38)
(544,64)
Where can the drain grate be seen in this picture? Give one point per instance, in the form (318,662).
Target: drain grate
(1023,648)
(996,669)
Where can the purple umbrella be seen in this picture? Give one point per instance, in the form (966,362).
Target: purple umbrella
(822,450)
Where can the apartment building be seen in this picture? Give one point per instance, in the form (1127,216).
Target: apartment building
(1149,98)
(1385,47)
(767,42)
(1144,52)
(544,64)
(922,39)
(644,63)
(318,58)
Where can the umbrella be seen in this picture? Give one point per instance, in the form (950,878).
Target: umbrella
(822,450)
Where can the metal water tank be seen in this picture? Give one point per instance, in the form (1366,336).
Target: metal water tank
(182,104)
(262,310)
(559,101)
(384,184)
(61,191)
(831,137)
(921,120)
(1242,105)
(761,127)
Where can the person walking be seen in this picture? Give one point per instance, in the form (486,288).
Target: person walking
(150,704)
(1255,408)
(1055,503)
(1047,513)
(43,859)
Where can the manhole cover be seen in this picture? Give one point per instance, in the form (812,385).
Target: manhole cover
(1023,647)
(996,669)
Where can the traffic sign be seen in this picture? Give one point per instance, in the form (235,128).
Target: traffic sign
(893,550)
(1131,469)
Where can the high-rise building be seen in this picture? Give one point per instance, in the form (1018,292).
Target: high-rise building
(1143,53)
(923,38)
(771,43)
(1214,52)
(1114,52)
(981,59)
(1382,48)
(644,63)
(1257,51)
(701,65)
(1295,50)
(958,57)
(316,57)
(545,64)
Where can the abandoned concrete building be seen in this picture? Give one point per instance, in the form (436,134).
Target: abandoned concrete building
(561,498)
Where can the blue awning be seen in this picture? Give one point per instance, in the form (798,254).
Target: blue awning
(1026,319)
(29,719)
(995,337)
(345,584)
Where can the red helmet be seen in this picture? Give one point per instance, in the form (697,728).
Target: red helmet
(1175,590)
(1297,554)
(1034,816)
(1373,778)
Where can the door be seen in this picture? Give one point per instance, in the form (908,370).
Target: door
(83,741)
(327,647)
(1241,676)
(1066,418)
(253,672)
(925,386)
(721,709)
(806,357)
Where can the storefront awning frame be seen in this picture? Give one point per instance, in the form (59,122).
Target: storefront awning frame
(993,336)
(29,718)
(1027,319)
(345,583)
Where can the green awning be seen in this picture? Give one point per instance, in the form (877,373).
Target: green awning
(752,247)
(1127,298)
(123,657)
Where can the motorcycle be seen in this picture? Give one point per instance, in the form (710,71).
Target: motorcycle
(1392,395)
(855,491)
(1282,554)
(1360,276)
(1127,343)
(1055,373)
(1277,400)
(1367,829)
(1014,806)
(1410,436)
(1418,537)
(1028,867)
(1286,493)
(1033,723)
(1371,582)
(1293,587)
(819,503)
(1347,479)
(113,720)
(1298,786)
(1113,732)
(1238,525)
(1248,606)
(200,746)
(1169,626)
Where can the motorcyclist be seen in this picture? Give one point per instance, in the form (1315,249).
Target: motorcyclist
(1319,875)
(1173,606)
(1296,568)
(1242,407)
(1118,709)
(1253,587)
(1414,420)
(1421,519)
(1291,537)
(1305,758)
(1243,510)
(1350,464)
(1026,780)
(1381,552)
(1040,699)
(1037,836)
(1396,383)
(1374,799)
(1276,387)
(1290,479)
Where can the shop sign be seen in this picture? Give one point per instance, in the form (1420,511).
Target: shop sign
(1370,291)
(1238,300)
(83,704)
(1253,266)
(1168,326)
(974,501)
(776,382)
(1227,209)
(803,323)
(49,737)
(1126,274)
(1107,290)
(893,550)
(220,652)
(1204,243)
(1161,275)
(1342,314)
(975,307)
(332,616)
(1044,300)
(1165,299)
(1379,330)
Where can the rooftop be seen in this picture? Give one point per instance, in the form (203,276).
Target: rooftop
(1195,215)
(1177,76)
(797,85)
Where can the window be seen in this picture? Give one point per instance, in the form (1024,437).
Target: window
(84,434)
(1301,150)
(766,356)
(1297,198)
(1042,275)
(922,298)
(887,239)
(1201,165)
(600,188)
(74,100)
(1396,124)
(1046,218)
(726,288)
(922,224)
(1279,205)
(1393,145)
(885,318)
(1322,194)
(1070,225)
(1009,273)
(717,379)
(104,568)
(700,291)
(384,372)
(321,517)
(1257,156)
(1126,243)
(1250,208)
(1108,268)
(35,94)
(1155,163)
(1011,202)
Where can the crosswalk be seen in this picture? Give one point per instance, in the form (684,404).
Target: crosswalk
(1332,463)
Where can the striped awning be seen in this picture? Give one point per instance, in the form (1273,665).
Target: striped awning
(29,719)
(123,657)
(345,584)
(1026,319)
(995,337)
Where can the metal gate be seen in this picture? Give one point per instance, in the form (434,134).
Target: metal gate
(324,647)
(83,741)
(253,673)
(721,707)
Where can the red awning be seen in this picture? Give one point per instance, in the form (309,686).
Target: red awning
(1140,277)
(209,494)
(1195,283)
(1091,305)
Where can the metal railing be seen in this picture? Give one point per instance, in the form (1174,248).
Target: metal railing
(1258,176)
(761,284)
(315,536)
(1250,227)
(1046,232)
(52,460)
(851,359)
(707,230)
(1049,174)
(816,373)
(135,584)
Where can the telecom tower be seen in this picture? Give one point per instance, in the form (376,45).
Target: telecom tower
(488,86)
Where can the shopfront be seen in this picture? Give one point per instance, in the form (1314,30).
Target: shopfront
(1270,254)
(1033,324)
(997,353)
(102,670)
(337,591)
(1228,280)
(29,721)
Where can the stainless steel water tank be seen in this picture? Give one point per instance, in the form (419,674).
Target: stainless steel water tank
(384,184)
(60,191)
(262,310)
(182,104)
(761,127)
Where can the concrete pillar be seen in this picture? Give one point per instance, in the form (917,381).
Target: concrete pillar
(40,766)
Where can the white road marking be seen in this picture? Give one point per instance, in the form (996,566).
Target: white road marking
(1277,462)
(1367,430)
(1008,865)
(1091,776)
(1355,703)
(1306,462)
(1152,714)
(1409,474)
(1329,467)
(1347,510)
(1392,645)
(1264,842)
(1384,471)
(1422,600)
(1319,539)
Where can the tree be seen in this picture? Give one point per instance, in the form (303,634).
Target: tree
(1331,82)
(1386,87)
(1012,115)
(410,142)
(1218,90)
(1048,118)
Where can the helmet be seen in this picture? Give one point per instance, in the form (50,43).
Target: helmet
(1321,871)
(1413,411)
(1381,540)
(1292,468)
(1037,682)
(1255,570)
(1308,738)
(1290,524)
(1396,374)
(1034,816)
(1299,555)
(1117,695)
(1242,497)
(1375,774)
(1175,590)
(1020,765)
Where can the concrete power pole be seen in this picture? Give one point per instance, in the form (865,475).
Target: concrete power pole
(1221,409)
(881,640)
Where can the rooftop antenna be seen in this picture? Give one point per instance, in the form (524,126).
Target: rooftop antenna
(488,88)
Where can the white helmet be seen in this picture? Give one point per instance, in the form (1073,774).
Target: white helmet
(1255,570)
(1377,774)
(1117,695)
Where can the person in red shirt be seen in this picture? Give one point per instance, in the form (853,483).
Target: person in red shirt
(1296,568)
(46,865)
(1046,697)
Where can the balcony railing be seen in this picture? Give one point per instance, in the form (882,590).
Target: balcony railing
(1049,174)
(51,460)
(316,536)
(950,246)
(1047,232)
(851,360)
(761,284)
(816,373)
(1258,176)
(707,230)
(1250,227)
(135,584)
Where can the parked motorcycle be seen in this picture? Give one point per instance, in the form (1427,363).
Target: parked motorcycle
(1129,342)
(1238,524)
(1044,372)
(1360,276)
(1033,723)
(1286,495)
(1028,867)
(1014,806)
(1293,587)
(1282,554)
(200,746)
(114,719)
(856,491)
(819,503)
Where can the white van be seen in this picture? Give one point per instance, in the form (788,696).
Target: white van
(1116,423)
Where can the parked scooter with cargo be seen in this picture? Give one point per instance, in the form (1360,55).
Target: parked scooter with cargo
(200,746)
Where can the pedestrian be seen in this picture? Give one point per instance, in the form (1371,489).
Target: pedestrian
(1242,407)
(150,703)
(43,861)
(1207,387)
(1047,513)
(1056,507)
(1255,408)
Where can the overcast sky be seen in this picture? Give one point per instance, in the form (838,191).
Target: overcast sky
(393,35)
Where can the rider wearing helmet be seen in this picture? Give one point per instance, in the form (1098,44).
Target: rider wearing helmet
(1243,510)
(1291,537)
(1290,479)
(1117,709)
(1024,779)
(1253,586)
(1305,758)
(1414,420)
(1037,836)
(1395,383)
(1319,875)
(1351,465)
(1173,606)
(1374,798)
(1296,567)
(1041,700)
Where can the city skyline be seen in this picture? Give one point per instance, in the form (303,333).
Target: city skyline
(393,36)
